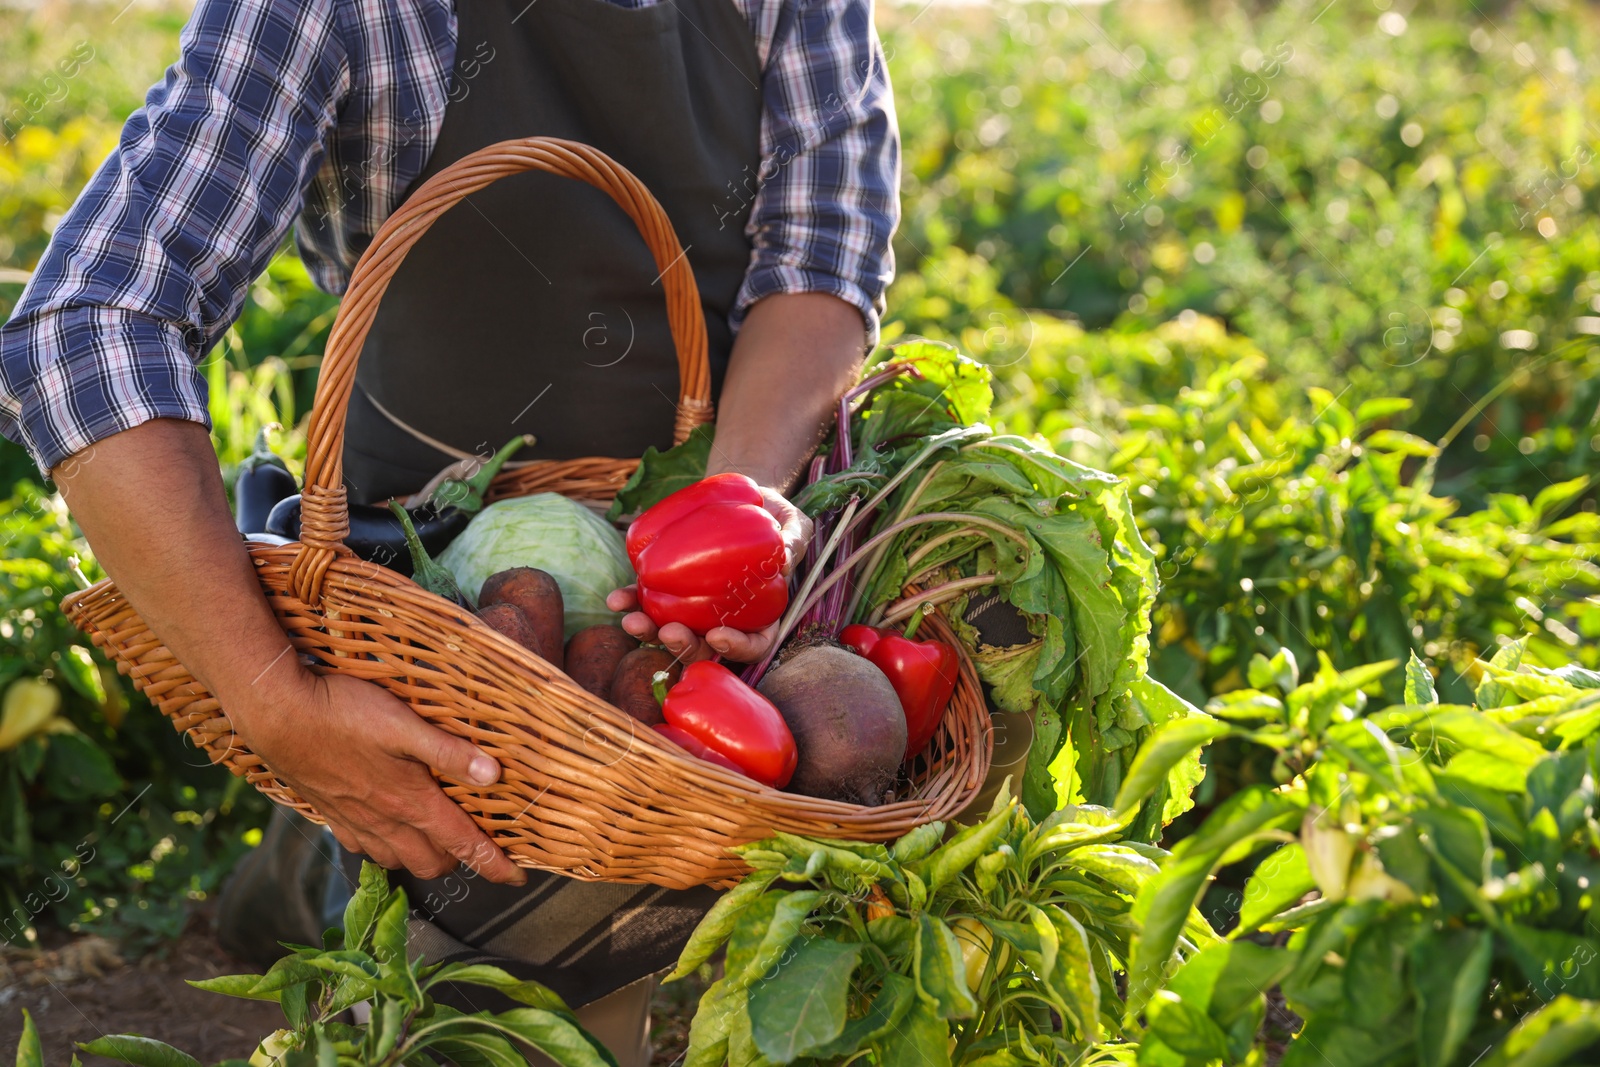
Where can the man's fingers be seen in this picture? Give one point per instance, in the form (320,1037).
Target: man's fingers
(452,832)
(638,624)
(624,599)
(794,526)
(447,755)
(377,850)
(683,643)
(348,840)
(421,855)
(740,646)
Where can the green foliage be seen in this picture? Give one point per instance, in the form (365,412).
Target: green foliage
(108,818)
(367,961)
(1304,522)
(1000,945)
(1431,864)
(1396,201)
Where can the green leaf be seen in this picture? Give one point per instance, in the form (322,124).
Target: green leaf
(1461,838)
(712,1023)
(1166,746)
(1399,443)
(389,936)
(1161,705)
(1491,693)
(387,1021)
(141,1051)
(660,474)
(1038,940)
(788,915)
(1553,499)
(1073,977)
(532,994)
(1374,977)
(922,1039)
(1449,970)
(884,1014)
(1550,1036)
(287,971)
(918,843)
(30,1053)
(1555,962)
(1488,770)
(804,1004)
(719,922)
(962,850)
(1277,883)
(553,1034)
(1326,1041)
(389,947)
(295,1000)
(479,1050)
(361,911)
(76,769)
(1187,1029)
(1419,683)
(1403,857)
(940,975)
(78,667)
(236,985)
(1165,906)
(1474,730)
(1381,408)
(1226,979)
(345,963)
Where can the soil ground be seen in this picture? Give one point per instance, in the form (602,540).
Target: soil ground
(146,996)
(150,997)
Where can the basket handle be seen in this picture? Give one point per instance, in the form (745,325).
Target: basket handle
(325,514)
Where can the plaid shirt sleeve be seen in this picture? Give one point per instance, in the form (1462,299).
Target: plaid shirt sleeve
(827,198)
(152,263)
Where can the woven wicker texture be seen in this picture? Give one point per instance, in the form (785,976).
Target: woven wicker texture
(584,789)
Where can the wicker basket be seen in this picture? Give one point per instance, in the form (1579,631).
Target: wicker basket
(584,789)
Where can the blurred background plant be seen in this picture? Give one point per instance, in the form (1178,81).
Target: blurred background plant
(1322,281)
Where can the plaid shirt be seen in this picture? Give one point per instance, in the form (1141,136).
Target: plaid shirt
(327,110)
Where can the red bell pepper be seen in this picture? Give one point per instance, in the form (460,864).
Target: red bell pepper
(695,747)
(923,674)
(715,708)
(710,555)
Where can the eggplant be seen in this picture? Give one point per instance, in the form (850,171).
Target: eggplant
(376,535)
(262,481)
(433,576)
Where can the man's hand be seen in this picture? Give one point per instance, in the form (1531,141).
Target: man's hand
(724,640)
(770,420)
(362,759)
(150,501)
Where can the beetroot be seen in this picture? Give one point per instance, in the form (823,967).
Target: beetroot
(846,720)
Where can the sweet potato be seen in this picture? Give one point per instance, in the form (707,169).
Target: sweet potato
(632,685)
(593,655)
(509,620)
(536,594)
(847,723)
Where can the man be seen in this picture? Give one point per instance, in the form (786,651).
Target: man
(765,127)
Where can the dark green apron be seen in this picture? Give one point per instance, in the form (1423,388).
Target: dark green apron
(533,307)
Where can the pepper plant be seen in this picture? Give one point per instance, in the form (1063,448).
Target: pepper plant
(367,961)
(1430,896)
(999,946)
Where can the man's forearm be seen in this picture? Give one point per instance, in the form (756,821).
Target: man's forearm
(150,501)
(795,356)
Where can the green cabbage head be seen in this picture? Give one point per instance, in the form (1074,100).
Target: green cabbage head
(579,549)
